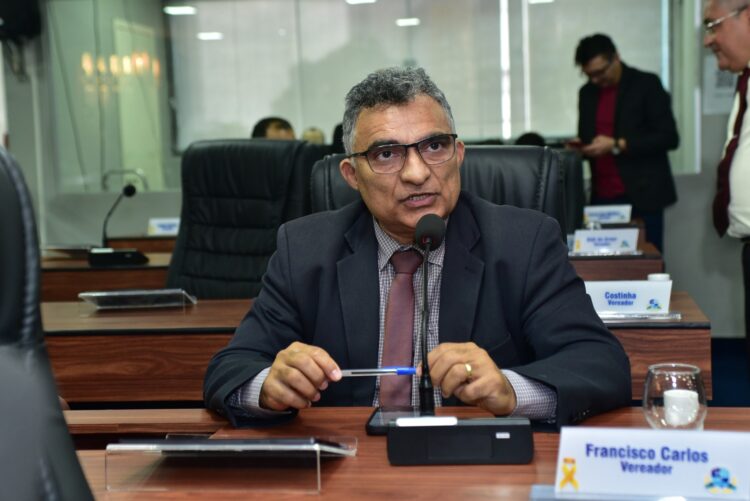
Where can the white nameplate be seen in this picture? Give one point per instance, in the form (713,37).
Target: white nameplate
(607,214)
(606,241)
(630,296)
(163,226)
(640,462)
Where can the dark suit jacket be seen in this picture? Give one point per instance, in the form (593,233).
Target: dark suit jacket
(507,285)
(643,116)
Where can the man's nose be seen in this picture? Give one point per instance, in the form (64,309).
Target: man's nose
(415,170)
(708,39)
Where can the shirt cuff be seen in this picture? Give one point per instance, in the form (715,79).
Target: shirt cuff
(246,398)
(534,400)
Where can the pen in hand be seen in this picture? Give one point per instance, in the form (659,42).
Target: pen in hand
(382,371)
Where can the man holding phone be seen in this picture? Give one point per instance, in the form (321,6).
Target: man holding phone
(511,328)
(625,129)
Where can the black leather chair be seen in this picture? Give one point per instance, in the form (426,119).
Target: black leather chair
(328,190)
(522,176)
(58,474)
(235,195)
(571,163)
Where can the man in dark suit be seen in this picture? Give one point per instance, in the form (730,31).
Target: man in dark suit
(511,327)
(626,127)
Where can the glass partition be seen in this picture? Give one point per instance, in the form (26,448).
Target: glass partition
(122,87)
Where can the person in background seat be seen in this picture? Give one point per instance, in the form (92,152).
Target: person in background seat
(273,128)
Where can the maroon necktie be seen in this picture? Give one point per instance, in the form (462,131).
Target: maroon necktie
(721,200)
(399,326)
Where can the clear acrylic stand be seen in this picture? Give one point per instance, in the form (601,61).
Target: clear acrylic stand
(202,465)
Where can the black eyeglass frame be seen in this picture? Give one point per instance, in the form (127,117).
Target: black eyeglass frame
(710,25)
(601,71)
(406,150)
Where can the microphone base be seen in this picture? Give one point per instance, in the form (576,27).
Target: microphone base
(469,441)
(106,257)
(426,402)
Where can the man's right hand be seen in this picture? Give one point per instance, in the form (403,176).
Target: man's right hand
(298,375)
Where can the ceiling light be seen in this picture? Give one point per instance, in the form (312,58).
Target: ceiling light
(210,35)
(180,10)
(407,21)
(539,1)
(357,2)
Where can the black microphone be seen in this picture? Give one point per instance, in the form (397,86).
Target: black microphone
(104,256)
(127,191)
(428,235)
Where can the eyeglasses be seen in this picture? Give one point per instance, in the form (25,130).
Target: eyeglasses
(596,74)
(710,25)
(390,158)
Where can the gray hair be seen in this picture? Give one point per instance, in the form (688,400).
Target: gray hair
(389,86)
(729,4)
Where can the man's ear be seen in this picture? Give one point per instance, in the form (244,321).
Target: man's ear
(347,169)
(460,152)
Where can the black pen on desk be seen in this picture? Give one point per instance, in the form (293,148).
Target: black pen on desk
(382,371)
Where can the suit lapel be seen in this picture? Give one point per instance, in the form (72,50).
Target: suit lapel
(590,98)
(462,277)
(360,300)
(622,90)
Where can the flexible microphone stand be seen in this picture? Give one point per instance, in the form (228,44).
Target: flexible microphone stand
(426,393)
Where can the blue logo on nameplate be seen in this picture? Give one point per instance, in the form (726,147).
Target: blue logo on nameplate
(721,482)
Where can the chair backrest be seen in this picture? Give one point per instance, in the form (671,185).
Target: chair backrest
(571,163)
(20,323)
(59,474)
(328,190)
(523,176)
(235,195)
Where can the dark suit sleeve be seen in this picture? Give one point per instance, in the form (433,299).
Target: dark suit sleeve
(658,130)
(573,351)
(581,117)
(588,100)
(272,325)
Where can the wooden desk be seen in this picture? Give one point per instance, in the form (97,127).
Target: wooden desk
(118,423)
(686,341)
(63,279)
(143,244)
(136,356)
(162,355)
(369,476)
(620,267)
(95,429)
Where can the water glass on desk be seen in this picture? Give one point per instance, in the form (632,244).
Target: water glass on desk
(674,397)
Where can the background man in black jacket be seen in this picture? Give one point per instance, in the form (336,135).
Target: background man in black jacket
(626,127)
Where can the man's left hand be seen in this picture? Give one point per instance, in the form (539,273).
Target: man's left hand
(600,145)
(467,371)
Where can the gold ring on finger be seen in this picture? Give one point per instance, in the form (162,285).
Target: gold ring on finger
(468,372)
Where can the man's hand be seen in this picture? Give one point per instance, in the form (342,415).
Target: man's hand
(467,371)
(298,375)
(574,144)
(600,145)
